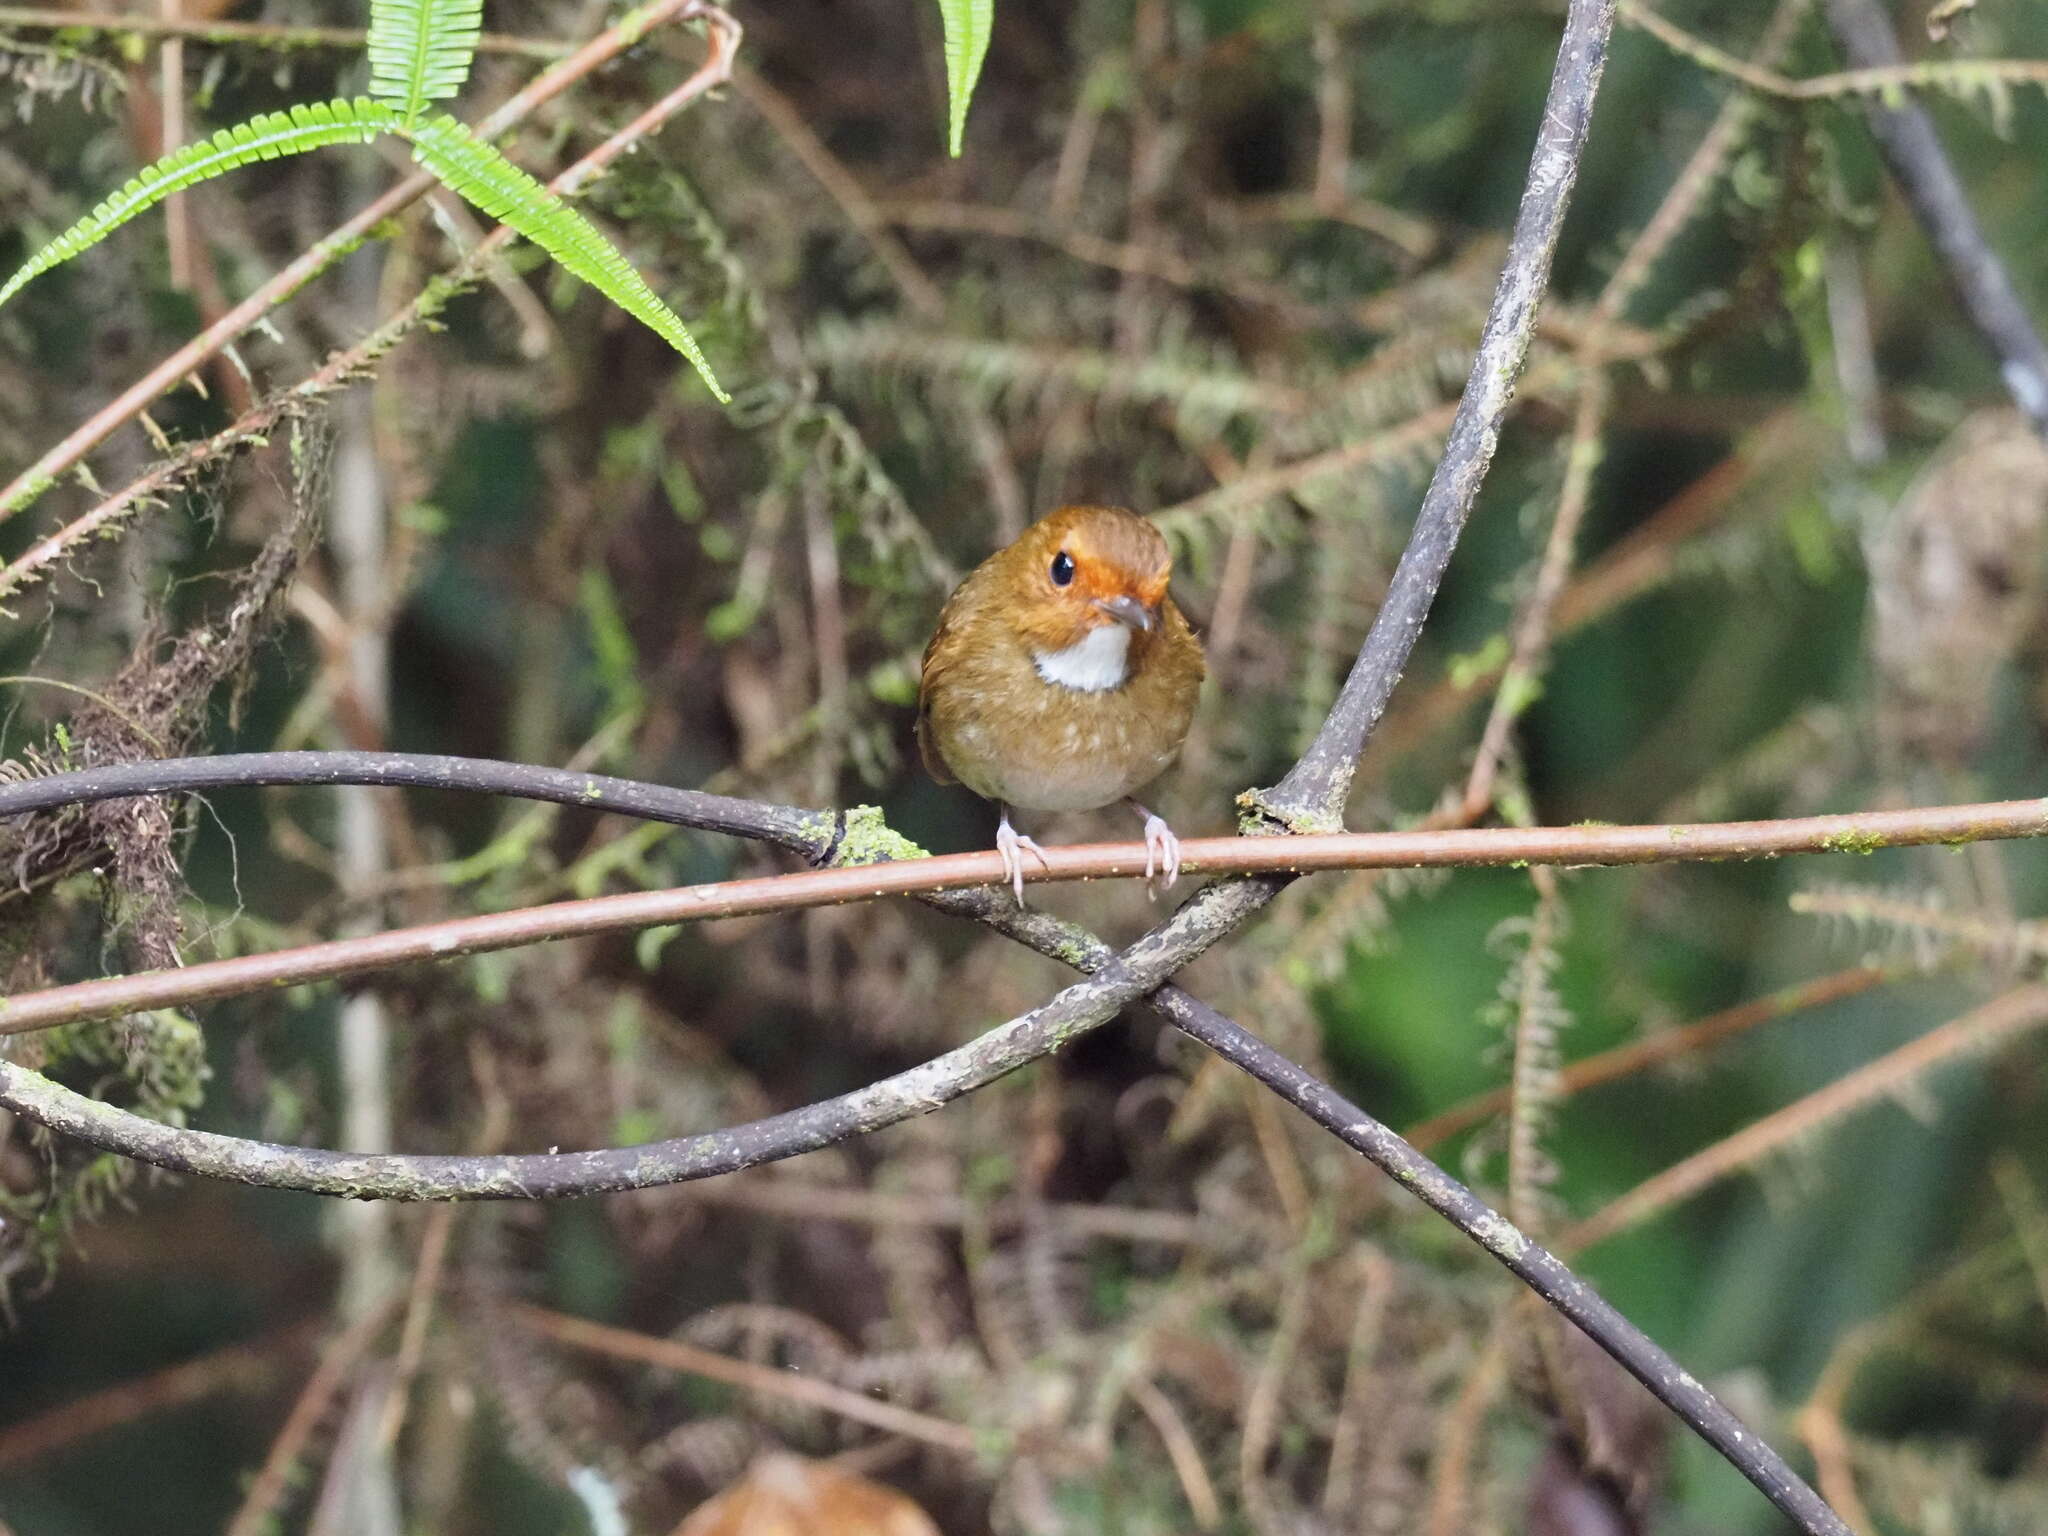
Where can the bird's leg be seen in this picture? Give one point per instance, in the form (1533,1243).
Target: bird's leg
(1013,845)
(1162,851)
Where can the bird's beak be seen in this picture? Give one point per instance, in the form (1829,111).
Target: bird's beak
(1129,611)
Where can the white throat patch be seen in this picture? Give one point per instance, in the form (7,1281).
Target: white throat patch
(1099,660)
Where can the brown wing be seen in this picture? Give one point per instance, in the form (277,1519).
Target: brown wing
(929,669)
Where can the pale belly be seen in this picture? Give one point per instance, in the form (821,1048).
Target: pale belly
(1070,759)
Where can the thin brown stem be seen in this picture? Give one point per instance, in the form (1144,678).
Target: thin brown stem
(1666,1045)
(337,1363)
(844,188)
(1181,1451)
(1333,113)
(1519,680)
(1823,1425)
(674,1355)
(1451,848)
(171,108)
(1876,79)
(1457,1443)
(1132,258)
(1981,1029)
(1262,1408)
(827,1202)
(1352,1431)
(1415,239)
(239,1367)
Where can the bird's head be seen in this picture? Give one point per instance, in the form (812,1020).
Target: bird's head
(1082,569)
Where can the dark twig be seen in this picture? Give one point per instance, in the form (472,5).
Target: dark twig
(804,832)
(1312,795)
(1533,1264)
(1906,135)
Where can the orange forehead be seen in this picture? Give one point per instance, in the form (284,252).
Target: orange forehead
(1115,552)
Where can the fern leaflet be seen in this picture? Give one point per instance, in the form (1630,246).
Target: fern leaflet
(468,166)
(267,136)
(420,50)
(968,24)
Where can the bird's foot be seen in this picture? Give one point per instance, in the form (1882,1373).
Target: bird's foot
(1162,853)
(1013,845)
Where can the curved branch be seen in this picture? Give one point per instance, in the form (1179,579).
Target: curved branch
(1081,1007)
(809,833)
(1532,1263)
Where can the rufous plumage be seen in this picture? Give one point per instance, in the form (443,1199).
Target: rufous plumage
(1062,677)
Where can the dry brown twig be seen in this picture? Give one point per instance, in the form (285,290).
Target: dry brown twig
(1665,1045)
(1980,1030)
(1447,848)
(674,1355)
(242,1366)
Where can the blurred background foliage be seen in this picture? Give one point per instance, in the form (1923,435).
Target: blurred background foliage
(1219,260)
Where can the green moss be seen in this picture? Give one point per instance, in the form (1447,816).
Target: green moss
(869,839)
(1854,841)
(818,830)
(31,488)
(1258,817)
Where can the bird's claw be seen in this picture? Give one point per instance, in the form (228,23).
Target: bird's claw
(1013,845)
(1162,855)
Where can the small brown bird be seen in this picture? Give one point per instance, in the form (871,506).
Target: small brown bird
(1062,677)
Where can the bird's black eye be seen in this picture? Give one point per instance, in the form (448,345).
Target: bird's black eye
(1062,569)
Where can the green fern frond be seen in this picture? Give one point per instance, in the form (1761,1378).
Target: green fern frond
(968,24)
(420,50)
(268,136)
(1197,380)
(467,165)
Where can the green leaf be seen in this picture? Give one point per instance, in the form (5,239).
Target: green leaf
(467,165)
(268,136)
(420,50)
(968,24)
